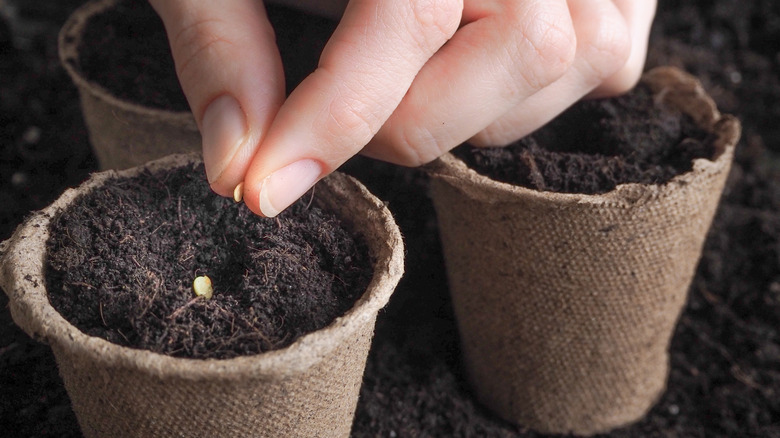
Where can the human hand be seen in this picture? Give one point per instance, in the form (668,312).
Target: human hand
(400,80)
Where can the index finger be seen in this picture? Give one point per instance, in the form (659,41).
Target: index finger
(364,72)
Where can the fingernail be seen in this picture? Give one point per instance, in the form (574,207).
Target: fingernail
(283,187)
(222,128)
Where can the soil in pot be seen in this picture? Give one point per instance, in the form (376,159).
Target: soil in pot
(598,144)
(122,261)
(125,50)
(566,304)
(130,39)
(412,387)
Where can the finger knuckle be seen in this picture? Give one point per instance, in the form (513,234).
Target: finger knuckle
(607,49)
(196,41)
(551,40)
(494,135)
(416,145)
(352,119)
(436,20)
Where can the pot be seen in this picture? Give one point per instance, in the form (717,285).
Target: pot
(309,388)
(566,303)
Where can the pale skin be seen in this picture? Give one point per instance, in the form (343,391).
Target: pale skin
(400,80)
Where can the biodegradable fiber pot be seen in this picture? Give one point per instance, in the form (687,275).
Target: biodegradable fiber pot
(309,388)
(566,303)
(123,133)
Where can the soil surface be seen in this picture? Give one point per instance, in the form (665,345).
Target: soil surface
(596,145)
(725,354)
(123,259)
(132,40)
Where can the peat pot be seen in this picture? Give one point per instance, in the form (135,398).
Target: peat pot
(123,133)
(566,303)
(309,388)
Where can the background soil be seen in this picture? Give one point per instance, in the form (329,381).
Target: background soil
(725,378)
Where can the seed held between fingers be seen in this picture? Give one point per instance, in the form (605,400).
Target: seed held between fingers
(202,287)
(238,192)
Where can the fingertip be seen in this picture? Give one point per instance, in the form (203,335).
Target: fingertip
(270,195)
(252,199)
(220,190)
(638,17)
(231,72)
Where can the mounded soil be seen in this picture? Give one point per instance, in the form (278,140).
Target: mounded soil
(725,353)
(122,261)
(598,144)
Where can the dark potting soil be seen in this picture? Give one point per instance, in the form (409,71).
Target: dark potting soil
(596,145)
(724,378)
(122,261)
(125,50)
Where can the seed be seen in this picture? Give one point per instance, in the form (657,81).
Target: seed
(202,287)
(238,192)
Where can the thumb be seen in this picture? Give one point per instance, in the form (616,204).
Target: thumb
(231,73)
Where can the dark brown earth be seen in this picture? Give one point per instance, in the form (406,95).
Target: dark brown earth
(725,353)
(122,261)
(596,145)
(131,38)
(141,72)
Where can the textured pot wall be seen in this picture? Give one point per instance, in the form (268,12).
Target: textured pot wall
(307,389)
(566,303)
(123,134)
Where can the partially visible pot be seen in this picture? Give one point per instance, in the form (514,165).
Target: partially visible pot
(123,133)
(566,303)
(309,388)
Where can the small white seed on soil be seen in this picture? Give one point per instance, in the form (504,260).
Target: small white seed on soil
(238,192)
(202,287)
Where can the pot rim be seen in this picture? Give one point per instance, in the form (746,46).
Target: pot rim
(68,42)
(31,308)
(671,86)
